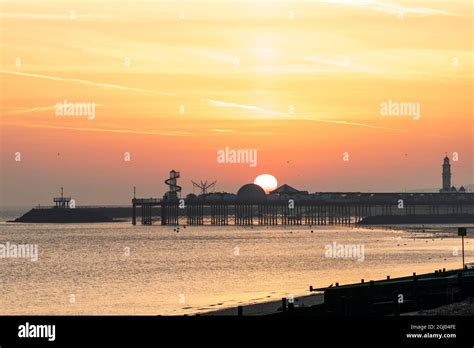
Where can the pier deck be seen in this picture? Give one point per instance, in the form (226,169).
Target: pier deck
(331,209)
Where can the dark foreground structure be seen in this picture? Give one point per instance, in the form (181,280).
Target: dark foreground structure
(387,297)
(395,296)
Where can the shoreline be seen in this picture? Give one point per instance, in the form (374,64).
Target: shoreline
(337,303)
(270,307)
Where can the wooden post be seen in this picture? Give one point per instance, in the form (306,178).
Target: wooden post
(396,305)
(291,306)
(371,296)
(134,213)
(449,295)
(163,214)
(344,308)
(462,232)
(415,290)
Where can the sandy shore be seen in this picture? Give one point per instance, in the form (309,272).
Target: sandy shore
(271,307)
(465,307)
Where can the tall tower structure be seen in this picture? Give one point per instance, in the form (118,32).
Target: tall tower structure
(446,175)
(174,188)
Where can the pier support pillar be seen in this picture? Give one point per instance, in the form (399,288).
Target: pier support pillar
(163,215)
(134,214)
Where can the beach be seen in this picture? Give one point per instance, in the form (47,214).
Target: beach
(117,269)
(271,307)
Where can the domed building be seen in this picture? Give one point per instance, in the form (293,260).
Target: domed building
(251,193)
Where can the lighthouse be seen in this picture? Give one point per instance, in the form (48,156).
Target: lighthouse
(446,175)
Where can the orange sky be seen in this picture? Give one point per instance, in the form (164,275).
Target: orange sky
(301,82)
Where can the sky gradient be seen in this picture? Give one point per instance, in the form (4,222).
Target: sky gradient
(173,82)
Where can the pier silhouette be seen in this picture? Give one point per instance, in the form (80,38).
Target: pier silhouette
(343,208)
(289,206)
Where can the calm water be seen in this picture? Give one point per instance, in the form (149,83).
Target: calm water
(198,268)
(11,213)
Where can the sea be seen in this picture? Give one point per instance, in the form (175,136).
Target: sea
(120,269)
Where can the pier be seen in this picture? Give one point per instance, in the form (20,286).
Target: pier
(289,206)
(331,209)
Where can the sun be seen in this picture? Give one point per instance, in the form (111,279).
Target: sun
(267,182)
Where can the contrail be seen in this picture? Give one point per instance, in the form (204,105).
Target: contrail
(86,82)
(387,7)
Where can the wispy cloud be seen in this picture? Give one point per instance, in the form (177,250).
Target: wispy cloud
(258,133)
(86,82)
(53,16)
(229,131)
(30,110)
(258,109)
(347,123)
(215,55)
(340,64)
(388,7)
(218,103)
(34,109)
(102,130)
(217,130)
